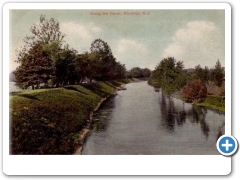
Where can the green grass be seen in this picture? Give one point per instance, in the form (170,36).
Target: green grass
(215,103)
(47,121)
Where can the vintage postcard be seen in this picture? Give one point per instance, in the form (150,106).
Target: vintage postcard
(110,79)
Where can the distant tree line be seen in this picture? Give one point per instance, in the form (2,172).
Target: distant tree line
(170,76)
(137,72)
(44,59)
(215,74)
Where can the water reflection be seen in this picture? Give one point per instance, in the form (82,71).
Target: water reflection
(173,114)
(198,115)
(221,131)
(102,118)
(168,113)
(142,121)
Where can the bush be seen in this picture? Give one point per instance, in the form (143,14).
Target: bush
(195,91)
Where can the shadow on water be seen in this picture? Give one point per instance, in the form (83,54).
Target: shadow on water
(221,131)
(168,113)
(103,116)
(198,115)
(173,115)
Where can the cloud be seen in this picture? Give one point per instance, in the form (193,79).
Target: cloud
(132,53)
(80,36)
(199,42)
(94,29)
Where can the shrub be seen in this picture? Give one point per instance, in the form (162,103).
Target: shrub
(195,91)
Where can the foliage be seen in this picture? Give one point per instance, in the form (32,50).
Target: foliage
(47,31)
(137,72)
(218,74)
(168,75)
(195,91)
(203,74)
(44,59)
(36,68)
(64,69)
(104,60)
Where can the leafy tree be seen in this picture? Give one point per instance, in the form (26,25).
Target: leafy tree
(201,73)
(35,68)
(64,67)
(146,72)
(218,74)
(46,38)
(195,91)
(83,67)
(169,75)
(104,64)
(206,74)
(47,31)
(120,70)
(136,72)
(104,58)
(44,59)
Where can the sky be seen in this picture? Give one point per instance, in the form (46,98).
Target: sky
(136,37)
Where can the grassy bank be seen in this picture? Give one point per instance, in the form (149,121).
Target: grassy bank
(48,121)
(212,102)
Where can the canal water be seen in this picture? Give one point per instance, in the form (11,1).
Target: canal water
(140,121)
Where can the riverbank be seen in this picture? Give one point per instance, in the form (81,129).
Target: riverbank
(211,102)
(215,103)
(48,121)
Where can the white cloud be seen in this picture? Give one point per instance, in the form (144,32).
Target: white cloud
(199,42)
(132,53)
(94,29)
(80,36)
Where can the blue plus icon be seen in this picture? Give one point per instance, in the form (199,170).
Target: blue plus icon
(227,145)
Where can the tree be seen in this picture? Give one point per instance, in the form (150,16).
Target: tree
(218,74)
(64,67)
(35,68)
(83,67)
(136,72)
(47,31)
(104,64)
(206,74)
(120,70)
(146,72)
(46,39)
(104,59)
(195,91)
(168,75)
(201,73)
